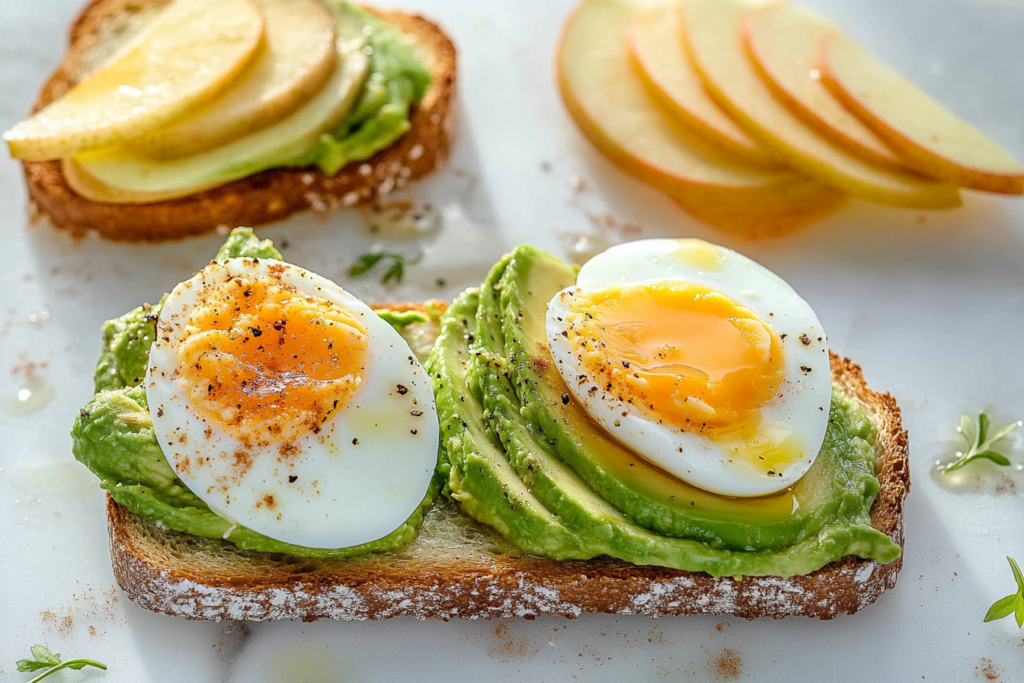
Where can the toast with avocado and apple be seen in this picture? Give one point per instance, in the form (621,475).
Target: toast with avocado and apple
(533,511)
(348,128)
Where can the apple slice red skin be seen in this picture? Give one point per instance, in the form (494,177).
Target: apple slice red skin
(918,157)
(725,134)
(801,145)
(880,154)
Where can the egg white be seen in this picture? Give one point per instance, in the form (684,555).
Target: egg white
(356,481)
(801,406)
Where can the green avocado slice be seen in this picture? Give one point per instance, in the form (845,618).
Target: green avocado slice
(579,508)
(481,478)
(840,486)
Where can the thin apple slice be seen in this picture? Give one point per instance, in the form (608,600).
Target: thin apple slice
(181,59)
(934,140)
(297,58)
(783,40)
(610,104)
(656,45)
(123,176)
(712,31)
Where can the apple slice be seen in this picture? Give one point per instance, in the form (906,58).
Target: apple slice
(610,104)
(783,40)
(712,30)
(656,45)
(181,59)
(297,57)
(932,139)
(123,176)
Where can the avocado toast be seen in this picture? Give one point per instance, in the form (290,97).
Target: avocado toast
(518,532)
(400,128)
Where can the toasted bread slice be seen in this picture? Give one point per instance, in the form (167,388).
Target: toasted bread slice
(458,568)
(258,199)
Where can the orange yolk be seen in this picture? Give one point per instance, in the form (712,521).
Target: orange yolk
(680,353)
(266,363)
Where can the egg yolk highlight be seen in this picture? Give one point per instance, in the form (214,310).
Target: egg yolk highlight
(267,363)
(679,353)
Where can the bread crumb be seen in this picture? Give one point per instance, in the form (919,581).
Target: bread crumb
(507,647)
(28,369)
(728,666)
(987,670)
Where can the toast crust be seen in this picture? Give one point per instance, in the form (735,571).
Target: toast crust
(456,568)
(262,198)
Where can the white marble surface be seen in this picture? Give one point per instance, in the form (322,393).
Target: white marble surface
(932,305)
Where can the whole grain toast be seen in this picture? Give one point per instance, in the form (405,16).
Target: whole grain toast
(265,197)
(458,568)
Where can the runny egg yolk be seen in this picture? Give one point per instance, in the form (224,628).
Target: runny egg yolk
(680,353)
(267,363)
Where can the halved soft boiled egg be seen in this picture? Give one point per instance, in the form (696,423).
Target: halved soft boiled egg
(289,407)
(702,361)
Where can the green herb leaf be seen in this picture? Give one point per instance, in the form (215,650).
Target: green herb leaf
(997,458)
(43,654)
(364,263)
(44,659)
(393,273)
(1011,604)
(983,423)
(967,428)
(1002,432)
(980,442)
(1002,608)
(1016,575)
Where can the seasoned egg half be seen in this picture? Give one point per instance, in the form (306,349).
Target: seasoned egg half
(289,407)
(704,362)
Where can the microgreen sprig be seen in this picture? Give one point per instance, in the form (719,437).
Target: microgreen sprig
(980,442)
(396,271)
(1011,604)
(42,658)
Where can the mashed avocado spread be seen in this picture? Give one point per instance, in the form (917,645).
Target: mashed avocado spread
(397,80)
(528,462)
(113,435)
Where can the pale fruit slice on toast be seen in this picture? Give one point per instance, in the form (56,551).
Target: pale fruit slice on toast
(266,197)
(712,30)
(297,57)
(655,41)
(458,568)
(123,175)
(608,101)
(929,136)
(181,59)
(783,39)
